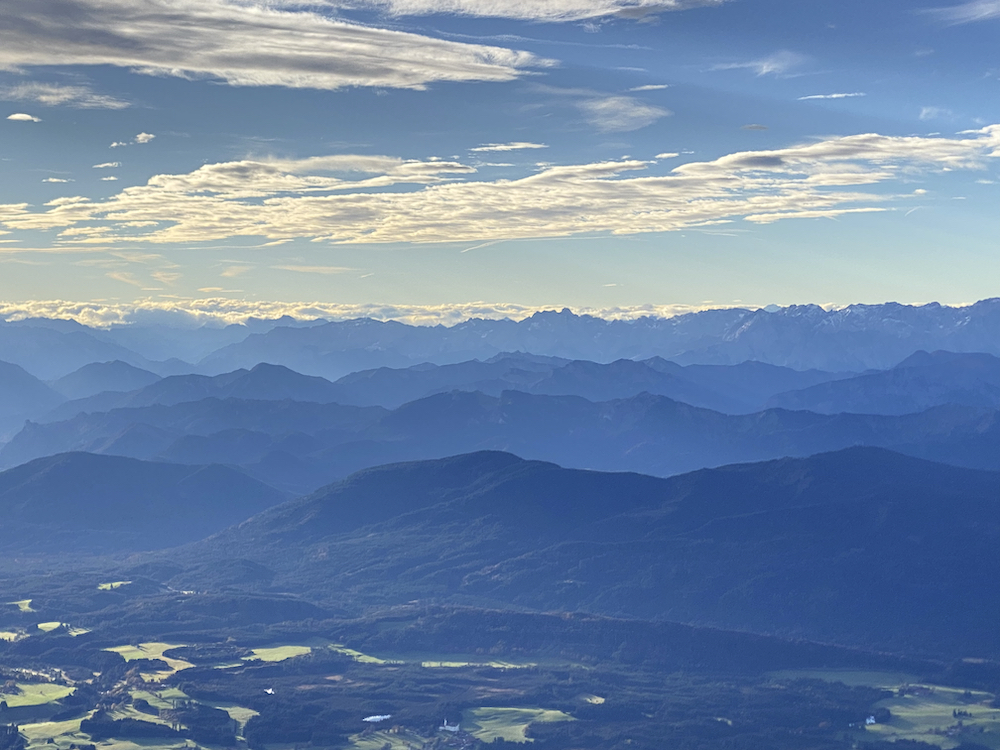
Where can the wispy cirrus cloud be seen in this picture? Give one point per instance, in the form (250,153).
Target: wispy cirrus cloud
(293,199)
(831,96)
(317,270)
(533,10)
(934,113)
(619,114)
(55,94)
(607,112)
(514,146)
(780,63)
(977,10)
(241,43)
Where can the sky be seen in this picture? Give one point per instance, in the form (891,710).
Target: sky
(497,156)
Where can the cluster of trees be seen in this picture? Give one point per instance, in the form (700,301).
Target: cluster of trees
(10,738)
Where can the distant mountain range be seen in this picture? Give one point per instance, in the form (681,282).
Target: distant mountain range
(104,504)
(856,338)
(736,389)
(921,381)
(299,446)
(862,547)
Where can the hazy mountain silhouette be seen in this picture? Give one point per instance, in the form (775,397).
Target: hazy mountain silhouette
(917,383)
(861,546)
(22,396)
(741,388)
(84,502)
(264,383)
(101,377)
(299,446)
(144,432)
(738,389)
(50,349)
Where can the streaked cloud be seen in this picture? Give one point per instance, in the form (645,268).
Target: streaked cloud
(166,277)
(126,278)
(618,114)
(55,94)
(779,63)
(533,10)
(243,44)
(57,179)
(977,10)
(934,113)
(515,146)
(108,165)
(651,87)
(232,272)
(292,199)
(320,270)
(21,117)
(831,96)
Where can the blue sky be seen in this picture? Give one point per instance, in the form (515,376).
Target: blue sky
(610,155)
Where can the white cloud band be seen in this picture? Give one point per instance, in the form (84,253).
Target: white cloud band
(533,10)
(54,94)
(340,199)
(221,311)
(250,44)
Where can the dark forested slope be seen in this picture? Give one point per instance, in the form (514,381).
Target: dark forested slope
(861,546)
(83,502)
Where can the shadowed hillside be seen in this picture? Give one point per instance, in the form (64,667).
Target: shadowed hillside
(862,546)
(84,502)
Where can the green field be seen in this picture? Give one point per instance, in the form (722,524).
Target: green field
(24,605)
(279,653)
(112,585)
(128,712)
(927,716)
(924,713)
(9,635)
(153,650)
(117,744)
(36,694)
(64,733)
(378,740)
(357,655)
(508,724)
(239,714)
